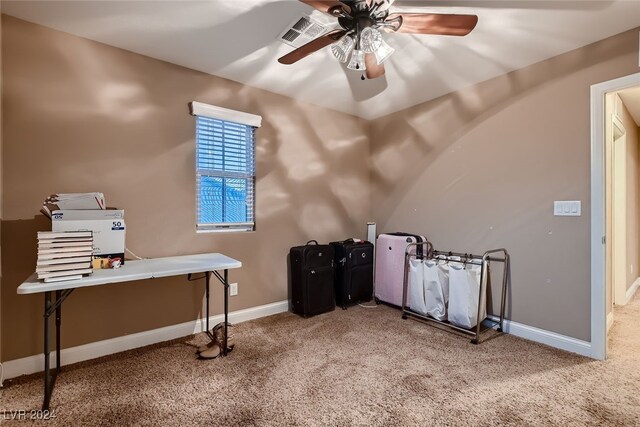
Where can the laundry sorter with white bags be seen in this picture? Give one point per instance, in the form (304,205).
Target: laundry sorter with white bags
(450,288)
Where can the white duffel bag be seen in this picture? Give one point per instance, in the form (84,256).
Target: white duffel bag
(464,295)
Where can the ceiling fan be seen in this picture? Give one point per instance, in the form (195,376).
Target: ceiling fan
(360,35)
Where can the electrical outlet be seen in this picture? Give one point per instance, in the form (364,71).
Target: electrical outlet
(233,289)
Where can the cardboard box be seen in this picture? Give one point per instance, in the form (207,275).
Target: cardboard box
(108,236)
(93,214)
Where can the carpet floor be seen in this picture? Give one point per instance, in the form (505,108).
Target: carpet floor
(364,367)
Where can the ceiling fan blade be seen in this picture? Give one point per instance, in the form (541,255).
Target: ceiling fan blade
(312,46)
(374,70)
(385,4)
(358,5)
(501,4)
(436,23)
(328,6)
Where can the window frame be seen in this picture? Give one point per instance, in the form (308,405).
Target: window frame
(206,111)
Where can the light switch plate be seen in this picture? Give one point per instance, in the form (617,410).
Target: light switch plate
(567,208)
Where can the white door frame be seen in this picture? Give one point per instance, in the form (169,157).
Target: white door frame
(619,213)
(598,283)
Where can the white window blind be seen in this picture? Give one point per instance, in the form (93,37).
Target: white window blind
(225,174)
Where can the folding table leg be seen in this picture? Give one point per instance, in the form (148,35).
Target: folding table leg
(226,309)
(49,308)
(58,322)
(47,351)
(224,279)
(207,279)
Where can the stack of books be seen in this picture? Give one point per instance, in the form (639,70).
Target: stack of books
(64,255)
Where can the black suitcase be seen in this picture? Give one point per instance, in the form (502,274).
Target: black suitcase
(354,272)
(311,270)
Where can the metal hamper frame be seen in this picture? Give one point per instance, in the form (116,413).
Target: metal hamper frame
(482,260)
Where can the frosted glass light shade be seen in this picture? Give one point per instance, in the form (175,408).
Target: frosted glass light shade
(370,40)
(383,52)
(343,48)
(357,60)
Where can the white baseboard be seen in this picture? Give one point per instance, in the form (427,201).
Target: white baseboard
(32,364)
(632,291)
(609,320)
(549,338)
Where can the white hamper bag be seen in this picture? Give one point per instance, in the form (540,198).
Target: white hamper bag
(415,287)
(433,291)
(443,274)
(464,290)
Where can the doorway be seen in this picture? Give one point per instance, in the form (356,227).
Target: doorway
(616,194)
(618,215)
(609,213)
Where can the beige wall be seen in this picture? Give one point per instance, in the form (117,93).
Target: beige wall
(481,167)
(83,116)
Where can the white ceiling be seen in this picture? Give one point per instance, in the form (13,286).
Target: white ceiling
(237,39)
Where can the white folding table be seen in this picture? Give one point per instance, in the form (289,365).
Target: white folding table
(208,264)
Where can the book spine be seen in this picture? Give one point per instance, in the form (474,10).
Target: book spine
(64,273)
(62,250)
(62,261)
(63,267)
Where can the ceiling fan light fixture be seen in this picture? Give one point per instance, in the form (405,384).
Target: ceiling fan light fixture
(343,48)
(383,52)
(358,40)
(370,39)
(357,60)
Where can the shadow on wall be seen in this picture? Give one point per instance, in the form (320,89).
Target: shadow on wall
(430,128)
(113,121)
(23,314)
(480,168)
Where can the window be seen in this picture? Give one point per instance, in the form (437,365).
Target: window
(225,168)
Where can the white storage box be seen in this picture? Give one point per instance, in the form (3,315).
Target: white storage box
(108,235)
